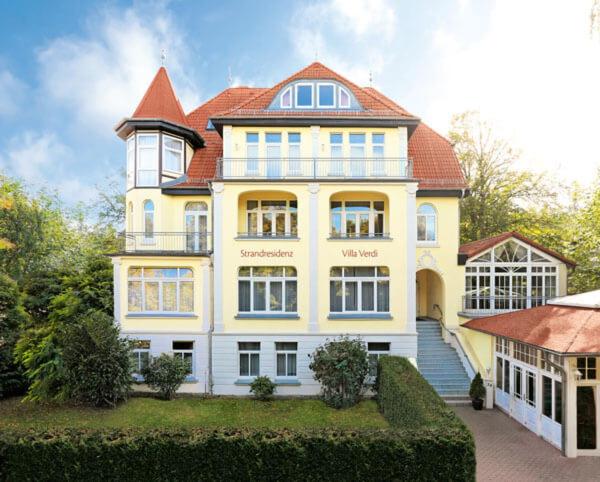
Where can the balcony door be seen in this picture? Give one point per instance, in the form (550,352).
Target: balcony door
(273,155)
(196,227)
(357,155)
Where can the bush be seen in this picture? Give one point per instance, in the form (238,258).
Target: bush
(262,387)
(341,366)
(477,389)
(228,454)
(96,361)
(165,374)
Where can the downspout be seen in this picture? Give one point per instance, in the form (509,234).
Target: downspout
(563,401)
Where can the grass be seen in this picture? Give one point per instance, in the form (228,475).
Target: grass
(192,412)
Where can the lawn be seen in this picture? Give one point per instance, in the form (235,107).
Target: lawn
(192,412)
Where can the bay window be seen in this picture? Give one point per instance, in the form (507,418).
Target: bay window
(160,290)
(267,289)
(286,355)
(272,218)
(359,290)
(172,154)
(147,160)
(249,358)
(357,219)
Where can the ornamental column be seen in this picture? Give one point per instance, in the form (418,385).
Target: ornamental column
(218,188)
(313,256)
(411,254)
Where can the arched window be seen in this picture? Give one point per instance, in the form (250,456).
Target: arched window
(196,226)
(426,223)
(148,220)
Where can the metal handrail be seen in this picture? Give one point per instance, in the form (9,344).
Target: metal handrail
(193,242)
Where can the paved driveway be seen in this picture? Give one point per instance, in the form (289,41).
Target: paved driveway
(508,451)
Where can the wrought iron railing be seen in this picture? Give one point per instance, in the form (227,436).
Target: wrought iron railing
(314,168)
(487,304)
(189,243)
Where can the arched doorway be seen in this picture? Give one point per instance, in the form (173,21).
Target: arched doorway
(430,295)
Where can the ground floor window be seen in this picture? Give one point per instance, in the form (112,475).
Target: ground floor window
(502,374)
(286,353)
(160,290)
(530,386)
(249,352)
(518,382)
(140,356)
(185,351)
(375,350)
(586,418)
(359,289)
(270,289)
(552,399)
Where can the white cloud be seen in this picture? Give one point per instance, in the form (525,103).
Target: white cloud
(535,74)
(102,75)
(11,93)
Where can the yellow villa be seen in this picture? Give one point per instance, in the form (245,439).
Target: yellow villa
(269,220)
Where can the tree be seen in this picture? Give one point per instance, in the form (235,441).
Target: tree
(499,192)
(165,374)
(341,366)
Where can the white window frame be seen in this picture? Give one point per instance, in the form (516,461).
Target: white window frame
(373,213)
(281,104)
(286,353)
(248,353)
(312,95)
(377,354)
(340,104)
(321,106)
(530,396)
(252,162)
(181,352)
(177,151)
(359,280)
(140,148)
(260,212)
(136,353)
(294,161)
(149,237)
(435,224)
(131,161)
(178,280)
(268,280)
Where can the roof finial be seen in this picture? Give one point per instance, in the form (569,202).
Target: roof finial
(229,77)
(316,54)
(370,78)
(163,57)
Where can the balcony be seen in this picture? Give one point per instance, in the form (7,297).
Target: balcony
(249,169)
(477,306)
(168,243)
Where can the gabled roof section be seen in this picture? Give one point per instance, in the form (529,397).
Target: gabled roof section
(476,247)
(373,103)
(160,101)
(569,330)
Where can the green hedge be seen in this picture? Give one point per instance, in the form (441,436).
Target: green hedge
(410,404)
(225,454)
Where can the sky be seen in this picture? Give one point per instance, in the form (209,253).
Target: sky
(70,70)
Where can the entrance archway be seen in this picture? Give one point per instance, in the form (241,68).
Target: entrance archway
(430,295)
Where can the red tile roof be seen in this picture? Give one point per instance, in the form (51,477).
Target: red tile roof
(476,247)
(160,101)
(562,329)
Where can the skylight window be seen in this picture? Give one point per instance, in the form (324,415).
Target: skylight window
(326,95)
(304,95)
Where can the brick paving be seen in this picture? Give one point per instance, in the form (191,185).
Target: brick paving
(507,451)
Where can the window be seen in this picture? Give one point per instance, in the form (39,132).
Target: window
(378,147)
(130,161)
(294,160)
(506,376)
(210,126)
(172,154)
(185,351)
(148,221)
(517,382)
(502,374)
(557,401)
(286,353)
(502,346)
(426,223)
(326,95)
(336,166)
(304,95)
(147,160)
(160,290)
(357,219)
(249,358)
(273,140)
(359,290)
(375,350)
(357,155)
(252,153)
(530,387)
(344,98)
(526,354)
(286,99)
(272,218)
(268,289)
(140,356)
(196,227)
(552,357)
(587,367)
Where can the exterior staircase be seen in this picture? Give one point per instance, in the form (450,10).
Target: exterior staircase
(440,365)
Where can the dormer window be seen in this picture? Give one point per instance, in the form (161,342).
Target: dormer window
(286,98)
(173,154)
(344,100)
(326,95)
(304,95)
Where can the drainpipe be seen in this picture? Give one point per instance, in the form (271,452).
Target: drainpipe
(563,401)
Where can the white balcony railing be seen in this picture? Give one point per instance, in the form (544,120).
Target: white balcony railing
(314,168)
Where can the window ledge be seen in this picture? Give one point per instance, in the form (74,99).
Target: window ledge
(293,382)
(359,316)
(265,316)
(428,244)
(161,315)
(266,238)
(244,381)
(190,379)
(367,238)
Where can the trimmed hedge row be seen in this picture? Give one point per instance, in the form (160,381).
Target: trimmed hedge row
(410,404)
(227,454)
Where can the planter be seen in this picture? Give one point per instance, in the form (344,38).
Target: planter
(477,403)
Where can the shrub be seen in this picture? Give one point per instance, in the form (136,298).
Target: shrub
(165,374)
(477,389)
(262,387)
(96,361)
(341,366)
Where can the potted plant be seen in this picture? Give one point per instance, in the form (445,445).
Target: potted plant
(477,392)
